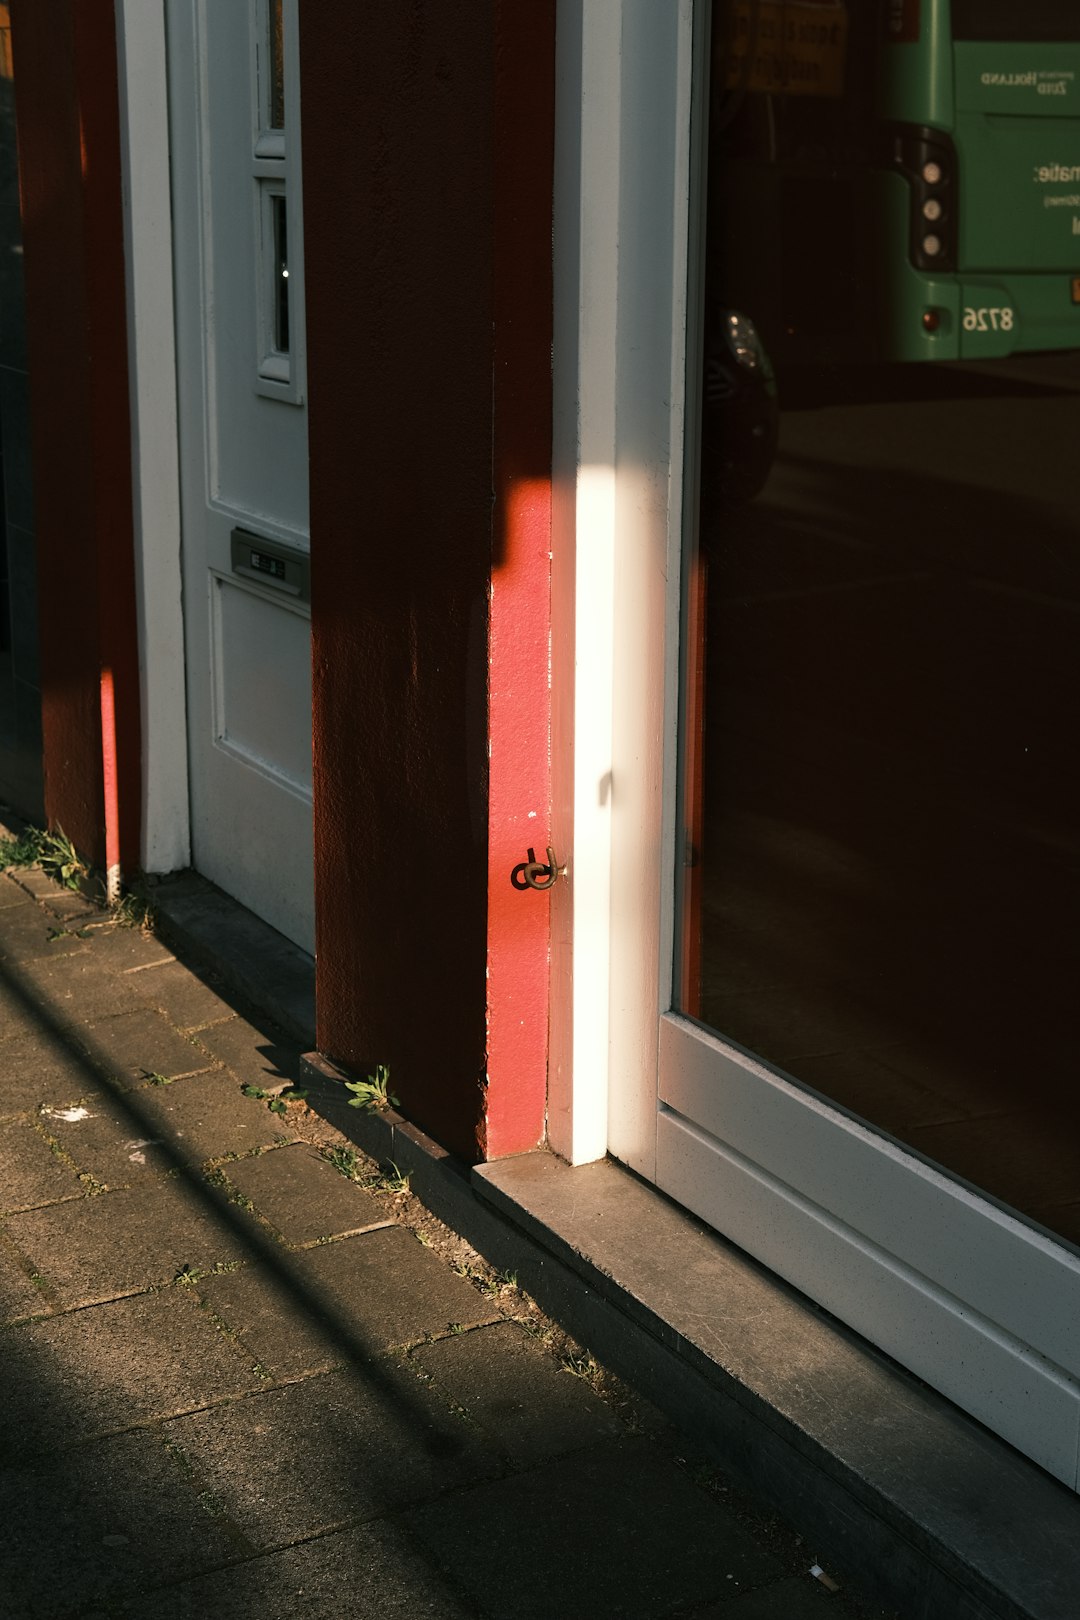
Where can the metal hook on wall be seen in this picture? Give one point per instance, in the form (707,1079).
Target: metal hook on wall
(534,874)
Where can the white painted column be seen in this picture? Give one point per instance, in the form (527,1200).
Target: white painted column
(621,219)
(144,134)
(587,145)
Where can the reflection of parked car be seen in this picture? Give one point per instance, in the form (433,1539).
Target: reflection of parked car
(740,411)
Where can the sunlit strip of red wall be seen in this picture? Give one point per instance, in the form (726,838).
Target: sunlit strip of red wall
(519,710)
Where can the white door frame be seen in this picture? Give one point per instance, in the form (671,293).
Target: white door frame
(622,186)
(144,156)
(968,1297)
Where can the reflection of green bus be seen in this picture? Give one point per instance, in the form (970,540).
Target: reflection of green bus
(916,196)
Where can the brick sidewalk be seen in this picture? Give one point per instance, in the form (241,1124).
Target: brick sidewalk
(237,1385)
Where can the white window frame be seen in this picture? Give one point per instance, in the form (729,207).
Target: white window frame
(276,170)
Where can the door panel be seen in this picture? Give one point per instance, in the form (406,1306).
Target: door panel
(947,1283)
(243,433)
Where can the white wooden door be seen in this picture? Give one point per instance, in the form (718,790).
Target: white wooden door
(234,124)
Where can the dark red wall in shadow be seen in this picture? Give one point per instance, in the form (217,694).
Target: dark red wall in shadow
(401,134)
(69,165)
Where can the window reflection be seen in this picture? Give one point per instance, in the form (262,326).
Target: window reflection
(880,798)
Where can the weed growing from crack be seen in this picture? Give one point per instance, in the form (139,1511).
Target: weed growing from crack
(372,1094)
(277,1101)
(134,910)
(388,1178)
(60,860)
(491,1283)
(581,1364)
(188,1276)
(217,1178)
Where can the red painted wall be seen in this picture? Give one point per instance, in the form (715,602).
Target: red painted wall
(418,484)
(69,166)
(519,716)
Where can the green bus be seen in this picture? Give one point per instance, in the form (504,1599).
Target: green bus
(897,179)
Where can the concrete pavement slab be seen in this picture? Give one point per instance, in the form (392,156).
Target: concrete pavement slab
(187,1000)
(103,1522)
(370,1573)
(614,1530)
(274,1321)
(515,1390)
(303,1196)
(17,1017)
(95,1372)
(332,1450)
(31,1174)
(108,1139)
(126,1241)
(73,990)
(19,1297)
(258,1054)
(11,894)
(29,932)
(122,948)
(204,1116)
(135,1045)
(385,1289)
(39,1068)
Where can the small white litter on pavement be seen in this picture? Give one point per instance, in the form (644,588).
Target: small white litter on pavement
(826,1580)
(70,1116)
(135,1149)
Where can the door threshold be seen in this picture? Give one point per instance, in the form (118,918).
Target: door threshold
(923,1507)
(212,929)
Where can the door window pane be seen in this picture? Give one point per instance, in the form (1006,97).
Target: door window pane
(880,802)
(277,64)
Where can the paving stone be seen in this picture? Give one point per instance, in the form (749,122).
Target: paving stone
(123,1241)
(33,881)
(25,935)
(18,1296)
(206,1117)
(273,1321)
(186,999)
(258,1056)
(797,1598)
(76,989)
(95,1372)
(386,1289)
(512,1387)
(38,1069)
(616,1530)
(134,1045)
(73,910)
(30,1173)
(303,1196)
(99,1524)
(370,1573)
(11,894)
(331,1450)
(107,1138)
(19,1018)
(123,948)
